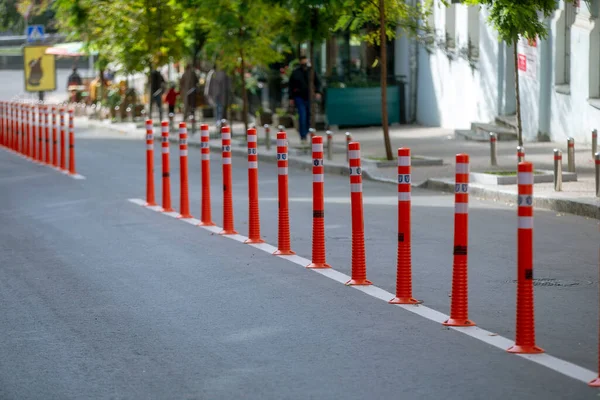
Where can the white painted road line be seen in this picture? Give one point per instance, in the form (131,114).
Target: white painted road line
(556,364)
(66,173)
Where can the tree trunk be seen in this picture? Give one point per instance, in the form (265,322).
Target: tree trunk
(244,93)
(383,58)
(518,95)
(311,84)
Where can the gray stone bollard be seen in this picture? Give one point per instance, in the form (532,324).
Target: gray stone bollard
(329,145)
(493,151)
(571,154)
(557,170)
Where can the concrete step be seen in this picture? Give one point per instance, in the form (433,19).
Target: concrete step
(503,133)
(469,134)
(508,121)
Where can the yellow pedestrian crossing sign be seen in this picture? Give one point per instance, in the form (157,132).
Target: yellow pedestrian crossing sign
(40,69)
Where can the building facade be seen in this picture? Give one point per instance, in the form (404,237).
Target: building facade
(465,74)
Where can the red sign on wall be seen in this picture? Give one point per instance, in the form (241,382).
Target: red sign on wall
(522,62)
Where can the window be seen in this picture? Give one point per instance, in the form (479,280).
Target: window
(564,20)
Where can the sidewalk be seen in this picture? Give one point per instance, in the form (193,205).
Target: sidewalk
(436,143)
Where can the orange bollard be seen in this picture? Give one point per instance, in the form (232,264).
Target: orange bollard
(253,210)
(18,127)
(283,237)
(404,255)
(40,152)
(520,154)
(33,147)
(47,133)
(318,226)
(54,139)
(71,144)
(525,330)
(459,306)
(26,130)
(150,201)
(206,217)
(184,194)
(63,153)
(15,124)
(2,122)
(228,228)
(359,262)
(166,177)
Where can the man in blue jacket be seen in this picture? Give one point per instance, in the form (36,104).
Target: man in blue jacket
(299,95)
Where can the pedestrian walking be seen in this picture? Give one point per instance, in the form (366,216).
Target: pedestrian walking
(217,91)
(157,83)
(299,94)
(188,86)
(171,98)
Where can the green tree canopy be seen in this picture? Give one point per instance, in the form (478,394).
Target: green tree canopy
(242,32)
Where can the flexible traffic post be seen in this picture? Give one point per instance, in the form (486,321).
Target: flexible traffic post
(11,124)
(520,154)
(283,233)
(525,327)
(71,143)
(318,225)
(31,132)
(253,210)
(40,134)
(26,130)
(404,253)
(34,132)
(2,117)
(18,127)
(150,200)
(184,194)
(47,133)
(228,225)
(206,217)
(166,174)
(63,144)
(54,138)
(570,154)
(459,303)
(359,262)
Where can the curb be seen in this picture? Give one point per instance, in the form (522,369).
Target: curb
(561,205)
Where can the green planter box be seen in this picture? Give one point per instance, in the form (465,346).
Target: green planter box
(360,106)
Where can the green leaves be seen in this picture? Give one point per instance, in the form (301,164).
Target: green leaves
(517,18)
(363,17)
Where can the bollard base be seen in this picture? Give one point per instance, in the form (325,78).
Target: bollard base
(186,216)
(525,349)
(151,204)
(318,266)
(254,241)
(404,300)
(284,253)
(595,382)
(167,210)
(228,232)
(209,223)
(358,282)
(458,322)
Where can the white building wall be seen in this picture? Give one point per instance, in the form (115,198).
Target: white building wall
(453,93)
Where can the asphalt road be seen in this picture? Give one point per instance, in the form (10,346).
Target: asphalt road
(101,298)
